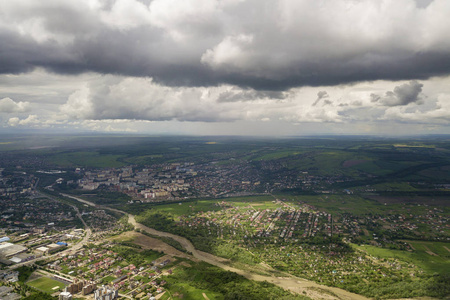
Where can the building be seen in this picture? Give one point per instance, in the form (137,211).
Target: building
(65,296)
(105,293)
(4,239)
(80,286)
(43,250)
(8,249)
(21,257)
(6,293)
(54,248)
(89,289)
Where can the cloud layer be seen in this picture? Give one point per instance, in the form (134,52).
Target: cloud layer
(130,104)
(123,98)
(226,66)
(262,44)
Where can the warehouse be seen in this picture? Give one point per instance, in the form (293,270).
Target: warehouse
(8,249)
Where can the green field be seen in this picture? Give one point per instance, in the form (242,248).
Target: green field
(338,204)
(46,285)
(86,159)
(108,279)
(144,160)
(187,292)
(433,257)
(276,155)
(194,207)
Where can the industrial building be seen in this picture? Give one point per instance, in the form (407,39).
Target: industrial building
(51,248)
(43,250)
(9,249)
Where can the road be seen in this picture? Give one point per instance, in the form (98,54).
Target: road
(88,231)
(72,249)
(290,282)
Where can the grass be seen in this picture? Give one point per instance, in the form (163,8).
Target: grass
(395,186)
(369,166)
(108,279)
(46,285)
(186,208)
(143,160)
(439,263)
(338,204)
(86,159)
(186,292)
(194,207)
(276,155)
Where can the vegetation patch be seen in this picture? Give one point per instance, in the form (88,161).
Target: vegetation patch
(192,282)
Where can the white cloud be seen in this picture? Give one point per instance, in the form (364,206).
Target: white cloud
(127,14)
(13,122)
(115,97)
(30,121)
(122,98)
(7,105)
(232,53)
(78,105)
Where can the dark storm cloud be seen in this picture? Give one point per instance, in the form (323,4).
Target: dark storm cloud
(208,43)
(402,95)
(13,57)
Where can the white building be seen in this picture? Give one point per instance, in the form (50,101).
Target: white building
(65,296)
(105,293)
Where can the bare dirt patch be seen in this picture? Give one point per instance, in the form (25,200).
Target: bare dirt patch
(213,257)
(150,243)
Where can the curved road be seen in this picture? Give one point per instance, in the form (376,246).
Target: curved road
(292,283)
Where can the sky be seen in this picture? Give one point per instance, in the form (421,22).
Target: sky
(225,67)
